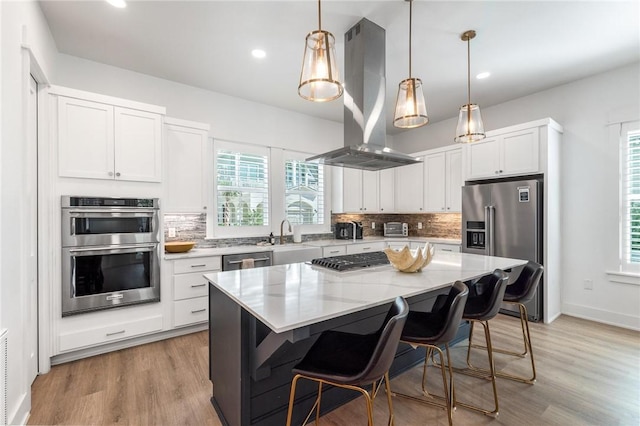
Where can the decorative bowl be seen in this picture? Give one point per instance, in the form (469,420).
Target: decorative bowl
(178,246)
(405,261)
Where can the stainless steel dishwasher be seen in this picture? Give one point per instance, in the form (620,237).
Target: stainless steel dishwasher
(232,262)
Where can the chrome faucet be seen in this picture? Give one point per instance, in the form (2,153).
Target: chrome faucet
(282,230)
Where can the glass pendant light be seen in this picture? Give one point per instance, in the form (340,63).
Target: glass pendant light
(411,111)
(319,79)
(470,127)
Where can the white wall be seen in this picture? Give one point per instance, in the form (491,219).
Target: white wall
(230,118)
(22,23)
(589,188)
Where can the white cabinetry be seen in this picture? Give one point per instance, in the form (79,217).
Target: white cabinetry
(365,247)
(386,183)
(102,140)
(360,191)
(409,184)
(186,147)
(109,333)
(504,154)
(443,181)
(451,248)
(190,289)
(334,251)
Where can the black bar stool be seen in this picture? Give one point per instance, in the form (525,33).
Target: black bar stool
(519,293)
(350,361)
(430,329)
(483,304)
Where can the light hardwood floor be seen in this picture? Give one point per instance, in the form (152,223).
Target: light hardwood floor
(588,374)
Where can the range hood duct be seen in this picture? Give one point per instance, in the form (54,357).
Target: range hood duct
(364,98)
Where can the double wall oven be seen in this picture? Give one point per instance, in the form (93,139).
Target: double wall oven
(110,252)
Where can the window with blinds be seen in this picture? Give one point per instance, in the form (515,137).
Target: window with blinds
(242,187)
(630,196)
(304,192)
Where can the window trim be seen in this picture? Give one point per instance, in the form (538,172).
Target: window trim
(626,268)
(326,196)
(213,230)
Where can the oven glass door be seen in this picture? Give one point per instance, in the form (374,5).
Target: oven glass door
(104,227)
(100,277)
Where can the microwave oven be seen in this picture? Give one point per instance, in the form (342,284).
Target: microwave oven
(345,230)
(396,229)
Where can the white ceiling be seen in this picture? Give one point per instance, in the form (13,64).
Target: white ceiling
(527,46)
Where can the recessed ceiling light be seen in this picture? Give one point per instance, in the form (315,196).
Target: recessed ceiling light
(258,53)
(117,3)
(483,75)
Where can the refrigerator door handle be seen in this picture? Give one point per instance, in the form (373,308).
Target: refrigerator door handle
(490,212)
(487,236)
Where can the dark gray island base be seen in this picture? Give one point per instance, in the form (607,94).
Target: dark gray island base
(250,365)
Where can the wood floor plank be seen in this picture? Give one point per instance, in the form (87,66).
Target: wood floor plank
(588,374)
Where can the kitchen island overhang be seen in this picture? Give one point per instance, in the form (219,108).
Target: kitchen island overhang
(263,320)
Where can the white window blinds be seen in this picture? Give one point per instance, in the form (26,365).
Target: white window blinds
(304,192)
(630,196)
(242,185)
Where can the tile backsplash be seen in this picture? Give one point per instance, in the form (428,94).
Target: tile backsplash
(434,225)
(192,227)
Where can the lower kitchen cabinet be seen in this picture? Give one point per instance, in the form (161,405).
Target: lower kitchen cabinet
(109,333)
(190,289)
(366,247)
(334,251)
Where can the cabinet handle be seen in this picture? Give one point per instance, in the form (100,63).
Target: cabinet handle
(115,332)
(334,251)
(497,172)
(448,208)
(381,210)
(110,173)
(197,285)
(366,248)
(199,310)
(117,173)
(500,171)
(445,249)
(199,266)
(204,208)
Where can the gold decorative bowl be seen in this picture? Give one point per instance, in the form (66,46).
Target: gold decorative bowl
(178,246)
(405,261)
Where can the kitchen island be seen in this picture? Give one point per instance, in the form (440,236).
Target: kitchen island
(262,321)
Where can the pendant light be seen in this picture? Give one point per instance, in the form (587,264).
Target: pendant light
(319,79)
(411,111)
(470,127)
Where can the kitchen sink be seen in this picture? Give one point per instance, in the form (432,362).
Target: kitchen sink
(294,253)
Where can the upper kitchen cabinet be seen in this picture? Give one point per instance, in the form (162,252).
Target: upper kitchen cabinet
(504,153)
(443,180)
(100,137)
(359,191)
(386,182)
(409,184)
(186,166)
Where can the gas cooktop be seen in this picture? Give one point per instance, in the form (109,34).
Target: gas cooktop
(352,261)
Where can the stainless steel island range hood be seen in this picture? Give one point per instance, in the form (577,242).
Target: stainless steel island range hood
(364,97)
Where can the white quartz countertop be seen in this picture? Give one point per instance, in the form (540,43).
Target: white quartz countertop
(287,297)
(219,251)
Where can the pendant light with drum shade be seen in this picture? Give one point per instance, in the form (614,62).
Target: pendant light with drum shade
(470,127)
(319,79)
(411,111)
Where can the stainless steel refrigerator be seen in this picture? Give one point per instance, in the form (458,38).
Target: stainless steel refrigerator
(504,218)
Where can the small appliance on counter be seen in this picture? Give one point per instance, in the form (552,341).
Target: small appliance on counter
(345,230)
(396,229)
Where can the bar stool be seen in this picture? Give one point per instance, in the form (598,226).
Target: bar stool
(430,329)
(350,361)
(483,304)
(519,293)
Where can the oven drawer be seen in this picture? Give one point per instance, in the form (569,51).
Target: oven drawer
(190,311)
(106,334)
(197,264)
(187,286)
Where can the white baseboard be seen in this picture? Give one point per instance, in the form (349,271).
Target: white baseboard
(85,353)
(21,414)
(606,317)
